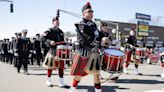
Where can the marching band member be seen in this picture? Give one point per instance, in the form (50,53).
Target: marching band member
(105,36)
(1,52)
(15,51)
(131,41)
(37,49)
(162,64)
(51,37)
(87,32)
(5,50)
(162,74)
(23,49)
(11,46)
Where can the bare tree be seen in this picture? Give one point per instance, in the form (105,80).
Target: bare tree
(157,20)
(69,34)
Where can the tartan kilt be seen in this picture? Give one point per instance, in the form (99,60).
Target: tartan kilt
(79,64)
(51,63)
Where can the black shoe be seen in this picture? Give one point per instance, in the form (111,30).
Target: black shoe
(26,73)
(114,78)
(139,74)
(126,73)
(18,71)
(65,86)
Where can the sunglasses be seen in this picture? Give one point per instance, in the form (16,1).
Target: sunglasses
(90,11)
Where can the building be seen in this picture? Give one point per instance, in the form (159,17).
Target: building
(155,34)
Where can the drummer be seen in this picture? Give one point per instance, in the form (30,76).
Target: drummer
(105,36)
(162,64)
(106,43)
(162,74)
(132,42)
(51,37)
(87,33)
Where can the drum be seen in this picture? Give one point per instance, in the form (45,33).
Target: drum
(63,52)
(114,47)
(140,53)
(113,60)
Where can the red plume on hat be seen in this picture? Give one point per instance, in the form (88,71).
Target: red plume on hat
(86,6)
(88,3)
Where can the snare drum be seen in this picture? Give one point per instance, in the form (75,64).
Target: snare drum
(140,53)
(63,52)
(113,60)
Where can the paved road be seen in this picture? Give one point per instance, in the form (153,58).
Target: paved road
(11,81)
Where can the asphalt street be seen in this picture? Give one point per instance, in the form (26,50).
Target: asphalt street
(11,81)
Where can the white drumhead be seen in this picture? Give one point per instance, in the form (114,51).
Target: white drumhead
(64,47)
(140,49)
(114,52)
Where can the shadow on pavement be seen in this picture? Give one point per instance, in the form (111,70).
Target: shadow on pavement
(40,74)
(137,81)
(104,88)
(151,75)
(37,69)
(43,74)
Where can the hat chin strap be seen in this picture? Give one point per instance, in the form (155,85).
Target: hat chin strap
(85,17)
(56,26)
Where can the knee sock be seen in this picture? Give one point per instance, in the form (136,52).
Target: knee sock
(49,72)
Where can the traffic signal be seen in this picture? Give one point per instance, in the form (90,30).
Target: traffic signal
(11,8)
(58,13)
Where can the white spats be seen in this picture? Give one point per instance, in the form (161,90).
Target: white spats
(98,90)
(125,71)
(48,82)
(61,82)
(73,89)
(162,75)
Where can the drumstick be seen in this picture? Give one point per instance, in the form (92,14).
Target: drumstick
(57,43)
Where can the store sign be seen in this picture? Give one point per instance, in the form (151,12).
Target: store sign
(127,29)
(143,16)
(143,28)
(149,45)
(151,31)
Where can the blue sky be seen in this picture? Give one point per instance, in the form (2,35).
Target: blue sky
(36,15)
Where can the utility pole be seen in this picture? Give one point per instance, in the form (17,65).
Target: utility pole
(11,5)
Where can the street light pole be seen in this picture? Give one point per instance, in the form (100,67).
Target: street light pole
(117,29)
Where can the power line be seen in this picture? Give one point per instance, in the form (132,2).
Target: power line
(6,1)
(71,13)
